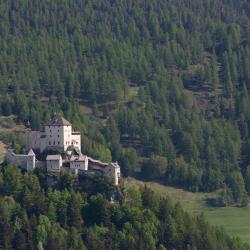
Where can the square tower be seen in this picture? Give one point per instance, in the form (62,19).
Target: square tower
(58,133)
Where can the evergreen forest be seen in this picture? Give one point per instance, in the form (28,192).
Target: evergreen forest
(188,61)
(161,86)
(33,216)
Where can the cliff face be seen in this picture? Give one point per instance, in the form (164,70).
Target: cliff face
(90,183)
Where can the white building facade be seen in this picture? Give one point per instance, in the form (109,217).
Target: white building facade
(54,163)
(58,135)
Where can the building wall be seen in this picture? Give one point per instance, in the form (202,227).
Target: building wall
(33,139)
(58,136)
(113,173)
(54,136)
(17,159)
(86,163)
(67,136)
(43,143)
(78,165)
(31,162)
(54,165)
(76,140)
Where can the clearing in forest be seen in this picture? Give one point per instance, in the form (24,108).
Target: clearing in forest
(235,220)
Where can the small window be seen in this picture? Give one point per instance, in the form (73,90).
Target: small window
(54,143)
(58,135)
(49,142)
(58,143)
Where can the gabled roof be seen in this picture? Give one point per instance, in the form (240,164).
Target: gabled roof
(31,152)
(78,157)
(58,120)
(53,157)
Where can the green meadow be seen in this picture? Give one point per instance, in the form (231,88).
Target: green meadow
(235,220)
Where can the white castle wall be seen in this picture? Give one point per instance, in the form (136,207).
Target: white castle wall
(67,140)
(54,165)
(76,140)
(113,173)
(81,165)
(111,170)
(30,162)
(54,136)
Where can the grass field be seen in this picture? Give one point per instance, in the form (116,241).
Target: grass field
(235,220)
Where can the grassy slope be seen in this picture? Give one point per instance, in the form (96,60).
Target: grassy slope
(8,129)
(2,151)
(236,221)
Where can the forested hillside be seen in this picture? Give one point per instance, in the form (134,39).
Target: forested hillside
(186,63)
(35,217)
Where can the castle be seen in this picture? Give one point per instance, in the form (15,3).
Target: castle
(58,149)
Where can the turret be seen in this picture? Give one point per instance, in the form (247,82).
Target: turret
(31,160)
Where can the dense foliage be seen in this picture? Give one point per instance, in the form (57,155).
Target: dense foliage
(189,62)
(33,216)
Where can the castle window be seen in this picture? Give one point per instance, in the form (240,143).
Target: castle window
(58,135)
(54,142)
(49,142)
(58,143)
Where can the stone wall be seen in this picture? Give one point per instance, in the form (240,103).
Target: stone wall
(16,159)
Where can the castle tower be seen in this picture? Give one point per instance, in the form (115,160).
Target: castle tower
(31,160)
(58,136)
(58,133)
